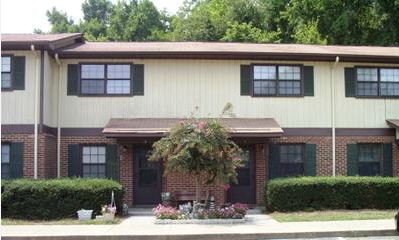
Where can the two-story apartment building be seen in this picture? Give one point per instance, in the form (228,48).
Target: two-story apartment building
(91,109)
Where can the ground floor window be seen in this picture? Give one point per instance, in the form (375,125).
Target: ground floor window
(369,158)
(291,160)
(5,161)
(93,161)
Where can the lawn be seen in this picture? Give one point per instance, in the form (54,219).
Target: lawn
(65,221)
(337,215)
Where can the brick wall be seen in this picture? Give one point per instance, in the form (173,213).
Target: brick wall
(126,172)
(50,149)
(261,171)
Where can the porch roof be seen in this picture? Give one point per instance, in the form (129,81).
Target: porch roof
(393,123)
(158,127)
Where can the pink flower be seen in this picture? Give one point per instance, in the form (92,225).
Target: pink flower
(201,125)
(226,187)
(181,122)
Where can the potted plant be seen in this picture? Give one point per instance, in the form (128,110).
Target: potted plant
(84,214)
(108,212)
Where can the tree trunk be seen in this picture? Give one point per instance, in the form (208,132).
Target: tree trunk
(207,195)
(198,184)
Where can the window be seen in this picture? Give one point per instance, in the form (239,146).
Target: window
(93,161)
(5,161)
(291,160)
(105,79)
(277,80)
(369,158)
(6,72)
(374,82)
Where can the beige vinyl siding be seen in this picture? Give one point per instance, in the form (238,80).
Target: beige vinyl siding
(174,88)
(17,107)
(362,112)
(50,91)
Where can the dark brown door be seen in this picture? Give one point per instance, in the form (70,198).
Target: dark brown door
(244,190)
(146,178)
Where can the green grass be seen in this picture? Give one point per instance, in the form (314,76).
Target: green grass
(337,215)
(65,221)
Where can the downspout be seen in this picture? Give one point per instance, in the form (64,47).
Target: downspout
(35,141)
(58,118)
(332,68)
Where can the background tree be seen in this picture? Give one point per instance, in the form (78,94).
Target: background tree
(60,22)
(201,148)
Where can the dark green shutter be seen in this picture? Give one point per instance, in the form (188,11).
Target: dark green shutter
(274,161)
(112,162)
(352,161)
(73,79)
(350,82)
(138,79)
(387,164)
(308,80)
(74,161)
(245,80)
(310,160)
(18,73)
(16,159)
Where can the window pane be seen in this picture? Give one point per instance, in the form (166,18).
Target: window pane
(5,171)
(92,71)
(289,87)
(389,75)
(86,150)
(6,64)
(118,86)
(5,153)
(264,87)
(369,168)
(118,71)
(5,80)
(389,89)
(265,72)
(289,73)
(94,161)
(367,89)
(367,74)
(291,154)
(291,169)
(369,153)
(93,86)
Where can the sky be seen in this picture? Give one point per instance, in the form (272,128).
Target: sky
(22,16)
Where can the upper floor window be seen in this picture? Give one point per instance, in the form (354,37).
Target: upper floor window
(6,72)
(374,82)
(5,161)
(277,80)
(105,79)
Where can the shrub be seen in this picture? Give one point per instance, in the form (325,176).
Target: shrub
(314,193)
(165,212)
(58,198)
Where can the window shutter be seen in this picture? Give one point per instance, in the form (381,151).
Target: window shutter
(350,82)
(73,79)
(18,73)
(16,160)
(310,160)
(74,160)
(387,164)
(274,161)
(351,156)
(308,81)
(245,80)
(112,162)
(138,79)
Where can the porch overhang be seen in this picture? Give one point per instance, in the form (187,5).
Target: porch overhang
(159,127)
(395,124)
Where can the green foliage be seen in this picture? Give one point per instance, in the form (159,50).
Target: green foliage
(55,199)
(357,22)
(294,194)
(201,148)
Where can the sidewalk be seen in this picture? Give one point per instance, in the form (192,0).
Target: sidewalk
(258,226)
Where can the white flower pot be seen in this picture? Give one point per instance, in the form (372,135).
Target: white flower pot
(84,214)
(108,216)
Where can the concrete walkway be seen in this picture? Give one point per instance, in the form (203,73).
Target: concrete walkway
(258,226)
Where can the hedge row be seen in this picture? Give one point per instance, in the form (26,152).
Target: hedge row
(315,193)
(58,198)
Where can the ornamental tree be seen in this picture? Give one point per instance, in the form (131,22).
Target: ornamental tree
(200,147)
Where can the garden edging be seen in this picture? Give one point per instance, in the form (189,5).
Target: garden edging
(200,221)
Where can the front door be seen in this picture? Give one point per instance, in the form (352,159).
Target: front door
(244,190)
(146,178)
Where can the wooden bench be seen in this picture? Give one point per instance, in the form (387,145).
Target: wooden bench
(182,197)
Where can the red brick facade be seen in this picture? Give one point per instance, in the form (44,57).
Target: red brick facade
(47,163)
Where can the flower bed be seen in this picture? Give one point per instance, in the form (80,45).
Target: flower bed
(231,214)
